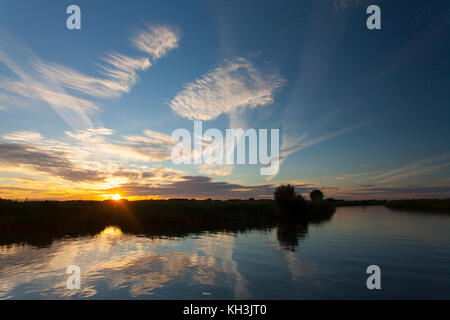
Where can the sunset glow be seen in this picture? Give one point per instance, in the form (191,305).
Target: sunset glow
(99,124)
(115,197)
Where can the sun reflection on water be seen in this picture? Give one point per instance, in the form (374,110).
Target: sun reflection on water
(111,232)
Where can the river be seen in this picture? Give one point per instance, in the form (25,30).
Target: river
(324,261)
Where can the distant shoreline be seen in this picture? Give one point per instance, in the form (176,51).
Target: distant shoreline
(426,205)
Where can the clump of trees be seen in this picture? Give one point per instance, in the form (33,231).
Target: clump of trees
(316,195)
(285,192)
(294,205)
(287,198)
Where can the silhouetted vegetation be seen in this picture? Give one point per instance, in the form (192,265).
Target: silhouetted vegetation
(352,203)
(284,193)
(287,199)
(41,222)
(316,195)
(293,204)
(428,205)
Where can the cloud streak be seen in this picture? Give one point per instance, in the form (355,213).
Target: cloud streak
(51,162)
(121,76)
(418,168)
(87,155)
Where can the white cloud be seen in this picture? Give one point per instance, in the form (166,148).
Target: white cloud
(23,136)
(225,89)
(156,41)
(89,133)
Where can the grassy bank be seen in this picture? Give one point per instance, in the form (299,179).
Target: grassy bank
(427,205)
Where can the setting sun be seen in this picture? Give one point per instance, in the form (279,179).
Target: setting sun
(116,197)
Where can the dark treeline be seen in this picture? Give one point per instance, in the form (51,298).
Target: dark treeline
(426,205)
(41,222)
(351,203)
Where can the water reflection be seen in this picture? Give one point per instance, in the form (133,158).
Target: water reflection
(134,265)
(289,234)
(113,261)
(284,260)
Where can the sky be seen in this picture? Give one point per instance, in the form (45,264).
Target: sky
(89,114)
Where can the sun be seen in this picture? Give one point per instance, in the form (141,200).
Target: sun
(116,197)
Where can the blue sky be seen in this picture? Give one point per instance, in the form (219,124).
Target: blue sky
(88,113)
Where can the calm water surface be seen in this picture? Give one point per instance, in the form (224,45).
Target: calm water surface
(288,262)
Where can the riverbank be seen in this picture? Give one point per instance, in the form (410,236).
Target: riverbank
(42,221)
(426,205)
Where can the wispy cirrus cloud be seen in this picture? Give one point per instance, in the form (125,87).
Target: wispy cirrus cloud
(44,81)
(237,84)
(56,97)
(400,177)
(417,168)
(156,41)
(290,146)
(25,83)
(121,76)
(124,69)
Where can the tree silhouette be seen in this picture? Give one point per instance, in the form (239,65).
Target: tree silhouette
(316,195)
(288,199)
(284,193)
